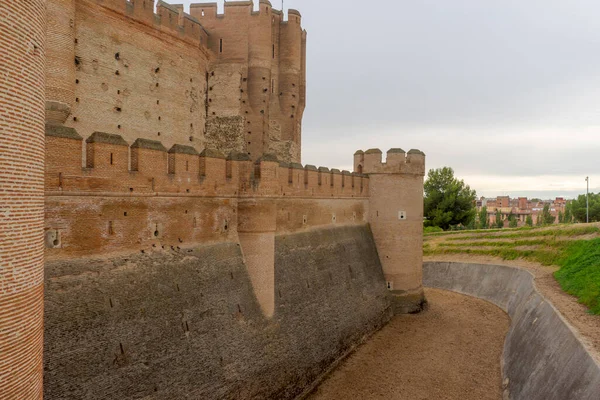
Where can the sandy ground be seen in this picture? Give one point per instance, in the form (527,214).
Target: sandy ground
(585,325)
(450,351)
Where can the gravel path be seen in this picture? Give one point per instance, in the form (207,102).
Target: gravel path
(450,351)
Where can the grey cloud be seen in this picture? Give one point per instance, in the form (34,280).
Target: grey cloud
(452,78)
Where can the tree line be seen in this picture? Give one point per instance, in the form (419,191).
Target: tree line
(449,203)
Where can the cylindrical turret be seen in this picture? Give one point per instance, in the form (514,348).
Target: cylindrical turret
(290,75)
(61,62)
(396,219)
(259,73)
(22,68)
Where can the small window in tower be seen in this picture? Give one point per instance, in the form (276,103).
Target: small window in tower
(273,51)
(272,85)
(111,158)
(220,45)
(203,13)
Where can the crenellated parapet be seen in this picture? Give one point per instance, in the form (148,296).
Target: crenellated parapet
(168,18)
(210,9)
(112,165)
(397,162)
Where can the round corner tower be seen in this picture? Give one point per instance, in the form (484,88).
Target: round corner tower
(396,219)
(22,103)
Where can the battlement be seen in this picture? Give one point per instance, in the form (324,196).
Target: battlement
(169,18)
(147,167)
(210,10)
(397,162)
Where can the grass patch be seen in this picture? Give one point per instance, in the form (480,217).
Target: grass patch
(535,242)
(568,232)
(437,233)
(579,273)
(579,260)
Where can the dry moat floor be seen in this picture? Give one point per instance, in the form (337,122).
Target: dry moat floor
(450,351)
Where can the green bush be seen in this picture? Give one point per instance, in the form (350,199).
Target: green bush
(432,229)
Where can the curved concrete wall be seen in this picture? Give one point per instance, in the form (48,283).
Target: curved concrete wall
(543,358)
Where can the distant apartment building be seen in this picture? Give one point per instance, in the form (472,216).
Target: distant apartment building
(520,207)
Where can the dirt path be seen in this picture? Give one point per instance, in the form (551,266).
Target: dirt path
(451,351)
(586,325)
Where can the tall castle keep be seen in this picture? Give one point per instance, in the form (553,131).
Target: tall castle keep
(154,208)
(233,81)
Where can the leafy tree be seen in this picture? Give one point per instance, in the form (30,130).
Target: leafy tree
(483,220)
(561,217)
(578,207)
(538,220)
(512,221)
(473,224)
(448,201)
(499,221)
(568,218)
(529,220)
(547,218)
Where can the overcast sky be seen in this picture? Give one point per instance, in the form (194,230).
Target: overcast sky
(507,93)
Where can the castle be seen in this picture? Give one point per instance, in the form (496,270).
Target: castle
(152,201)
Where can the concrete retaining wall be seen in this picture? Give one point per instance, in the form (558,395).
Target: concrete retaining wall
(543,358)
(185,324)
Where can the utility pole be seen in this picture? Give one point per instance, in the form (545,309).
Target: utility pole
(587,202)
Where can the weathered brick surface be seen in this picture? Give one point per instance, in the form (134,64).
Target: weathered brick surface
(258,74)
(235,82)
(186,323)
(136,81)
(22,103)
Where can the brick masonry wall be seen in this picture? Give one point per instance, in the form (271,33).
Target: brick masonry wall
(258,74)
(136,81)
(22,103)
(112,206)
(60,56)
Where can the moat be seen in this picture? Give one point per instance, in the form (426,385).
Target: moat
(452,350)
